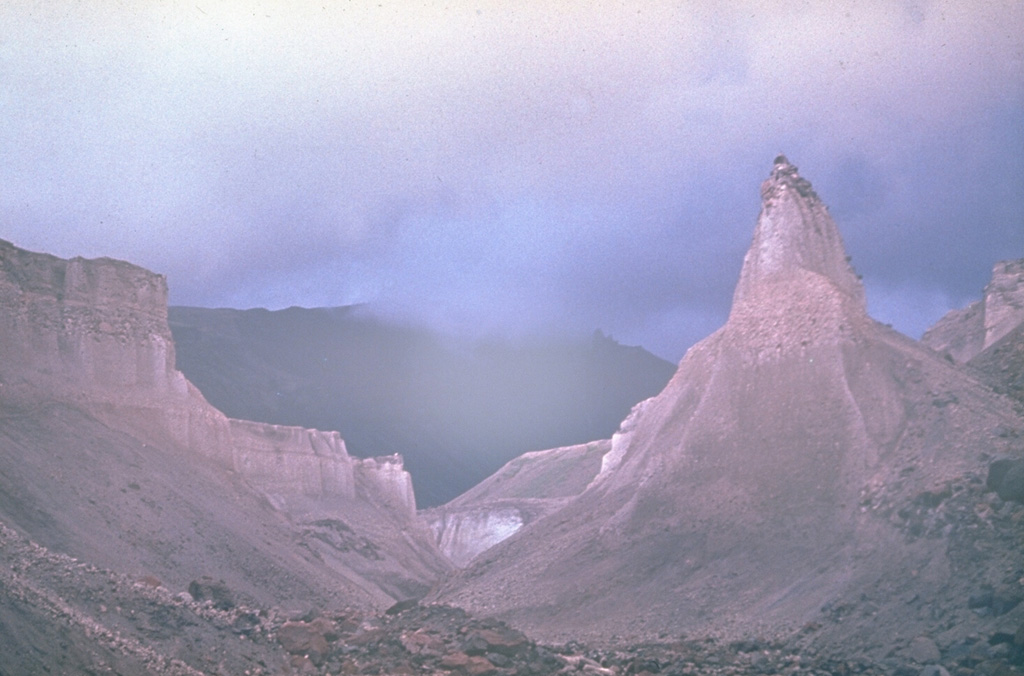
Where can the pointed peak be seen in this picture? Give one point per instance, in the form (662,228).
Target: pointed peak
(795,235)
(786,176)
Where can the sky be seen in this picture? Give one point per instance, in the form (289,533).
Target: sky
(509,168)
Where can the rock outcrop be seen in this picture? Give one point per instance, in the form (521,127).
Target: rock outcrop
(965,333)
(776,476)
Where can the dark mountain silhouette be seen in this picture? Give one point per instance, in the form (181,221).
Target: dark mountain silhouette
(808,474)
(456,413)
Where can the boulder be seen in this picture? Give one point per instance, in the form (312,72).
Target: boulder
(1006,478)
(215,591)
(473,665)
(504,641)
(934,670)
(924,651)
(308,639)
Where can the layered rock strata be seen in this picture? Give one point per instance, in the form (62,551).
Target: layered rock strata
(94,333)
(85,345)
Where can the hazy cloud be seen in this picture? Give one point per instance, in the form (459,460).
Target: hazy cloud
(495,166)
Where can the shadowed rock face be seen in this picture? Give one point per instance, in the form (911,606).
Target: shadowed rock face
(756,490)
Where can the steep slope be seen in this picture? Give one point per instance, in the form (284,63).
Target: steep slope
(455,412)
(776,476)
(109,454)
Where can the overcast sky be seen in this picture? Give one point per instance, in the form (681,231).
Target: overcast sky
(512,167)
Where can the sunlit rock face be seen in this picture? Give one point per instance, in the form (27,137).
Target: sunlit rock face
(93,329)
(89,339)
(756,488)
(386,478)
(965,333)
(795,238)
(94,333)
(292,460)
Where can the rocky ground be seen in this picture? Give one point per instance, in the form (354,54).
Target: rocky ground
(79,618)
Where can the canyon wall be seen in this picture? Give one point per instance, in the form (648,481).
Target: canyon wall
(94,333)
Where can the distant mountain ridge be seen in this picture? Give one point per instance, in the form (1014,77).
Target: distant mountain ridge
(455,413)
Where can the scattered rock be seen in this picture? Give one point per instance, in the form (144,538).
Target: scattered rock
(982,599)
(504,641)
(924,651)
(402,606)
(215,591)
(934,670)
(473,665)
(1003,601)
(421,642)
(300,611)
(306,638)
(151,581)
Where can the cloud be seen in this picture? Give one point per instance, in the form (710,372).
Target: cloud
(505,167)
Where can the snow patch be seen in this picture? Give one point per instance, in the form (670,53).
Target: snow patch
(464,535)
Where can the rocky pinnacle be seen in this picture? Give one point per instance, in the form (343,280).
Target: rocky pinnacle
(794,235)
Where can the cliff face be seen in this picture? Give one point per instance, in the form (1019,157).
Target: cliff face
(773,477)
(988,335)
(91,330)
(967,332)
(1004,300)
(94,333)
(92,336)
